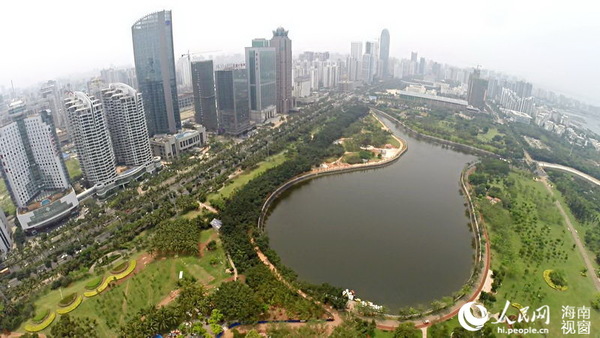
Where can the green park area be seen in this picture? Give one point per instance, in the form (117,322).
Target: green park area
(245,177)
(5,202)
(534,258)
(365,132)
(150,285)
(478,130)
(73,168)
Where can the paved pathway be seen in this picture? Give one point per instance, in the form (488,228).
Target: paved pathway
(588,262)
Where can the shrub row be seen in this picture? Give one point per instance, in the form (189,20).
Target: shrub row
(65,310)
(550,283)
(44,324)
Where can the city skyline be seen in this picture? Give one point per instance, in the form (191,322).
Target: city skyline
(502,37)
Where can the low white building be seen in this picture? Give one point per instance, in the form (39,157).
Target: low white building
(171,146)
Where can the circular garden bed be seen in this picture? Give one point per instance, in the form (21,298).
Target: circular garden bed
(94,283)
(68,300)
(40,316)
(120,268)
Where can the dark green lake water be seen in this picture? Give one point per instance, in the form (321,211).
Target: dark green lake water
(398,235)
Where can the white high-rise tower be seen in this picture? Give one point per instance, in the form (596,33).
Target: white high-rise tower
(126,119)
(33,168)
(89,130)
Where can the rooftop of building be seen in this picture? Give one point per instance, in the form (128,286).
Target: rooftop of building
(433,97)
(43,199)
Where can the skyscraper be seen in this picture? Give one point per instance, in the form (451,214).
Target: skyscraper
(89,129)
(126,120)
(33,168)
(203,84)
(477,90)
(384,53)
(283,74)
(232,99)
(260,64)
(155,69)
(355,61)
(5,236)
(51,96)
(369,62)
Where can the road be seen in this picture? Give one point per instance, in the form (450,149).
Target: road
(569,170)
(588,262)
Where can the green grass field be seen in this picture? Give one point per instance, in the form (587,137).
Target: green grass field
(383,334)
(241,180)
(524,283)
(487,137)
(74,168)
(5,202)
(148,287)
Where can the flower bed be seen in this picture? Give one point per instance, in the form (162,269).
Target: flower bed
(127,271)
(94,283)
(40,316)
(551,283)
(101,288)
(44,324)
(73,306)
(119,268)
(68,300)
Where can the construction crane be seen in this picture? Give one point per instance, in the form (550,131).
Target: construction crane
(189,55)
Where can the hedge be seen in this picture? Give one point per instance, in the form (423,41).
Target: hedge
(94,283)
(101,288)
(40,316)
(39,327)
(119,268)
(550,283)
(127,271)
(65,310)
(68,300)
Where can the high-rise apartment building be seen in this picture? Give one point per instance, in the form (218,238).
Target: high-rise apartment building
(155,69)
(184,72)
(283,71)
(33,168)
(233,100)
(477,90)
(384,53)
(5,234)
(52,99)
(88,126)
(355,61)
(126,120)
(369,62)
(203,84)
(262,80)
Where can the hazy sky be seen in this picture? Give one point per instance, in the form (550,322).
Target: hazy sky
(552,43)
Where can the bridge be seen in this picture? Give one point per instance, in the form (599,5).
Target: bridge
(569,170)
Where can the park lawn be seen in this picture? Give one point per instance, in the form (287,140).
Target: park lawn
(487,137)
(391,140)
(73,168)
(148,287)
(194,213)
(241,180)
(581,228)
(524,283)
(5,202)
(383,334)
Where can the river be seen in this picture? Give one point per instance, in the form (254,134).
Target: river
(397,235)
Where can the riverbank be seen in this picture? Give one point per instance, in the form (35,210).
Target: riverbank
(438,140)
